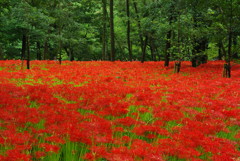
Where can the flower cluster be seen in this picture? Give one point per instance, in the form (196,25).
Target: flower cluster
(118,111)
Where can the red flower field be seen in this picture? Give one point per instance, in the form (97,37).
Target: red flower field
(118,111)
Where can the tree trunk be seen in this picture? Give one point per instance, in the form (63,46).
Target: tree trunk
(128,31)
(235,44)
(177,67)
(112,31)
(168,46)
(39,55)
(60,52)
(152,48)
(28,52)
(139,25)
(144,49)
(1,53)
(71,55)
(227,66)
(104,34)
(227,70)
(24,46)
(220,55)
(224,52)
(45,52)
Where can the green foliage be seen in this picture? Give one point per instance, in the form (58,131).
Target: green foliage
(74,28)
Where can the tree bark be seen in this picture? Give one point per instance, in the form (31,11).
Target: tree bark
(128,31)
(220,55)
(152,48)
(60,52)
(24,46)
(45,52)
(104,34)
(168,46)
(28,52)
(39,54)
(235,44)
(71,55)
(139,25)
(144,49)
(112,31)
(227,66)
(177,67)
(1,53)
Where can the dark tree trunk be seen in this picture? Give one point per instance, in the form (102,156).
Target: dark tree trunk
(112,31)
(60,45)
(171,17)
(235,44)
(224,52)
(139,26)
(39,54)
(45,52)
(168,46)
(28,52)
(1,53)
(194,61)
(128,31)
(144,49)
(201,46)
(24,46)
(152,48)
(226,70)
(220,55)
(177,67)
(227,66)
(60,52)
(71,55)
(104,35)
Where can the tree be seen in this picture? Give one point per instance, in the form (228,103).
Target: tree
(112,31)
(128,31)
(104,30)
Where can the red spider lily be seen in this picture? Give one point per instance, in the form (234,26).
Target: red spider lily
(13,155)
(101,104)
(50,148)
(126,121)
(119,154)
(97,152)
(55,139)
(141,130)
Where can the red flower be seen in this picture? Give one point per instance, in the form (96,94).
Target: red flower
(50,148)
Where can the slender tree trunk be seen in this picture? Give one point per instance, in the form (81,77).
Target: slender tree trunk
(112,31)
(45,52)
(60,51)
(39,55)
(128,31)
(28,52)
(227,66)
(139,25)
(152,48)
(169,35)
(177,67)
(71,55)
(168,46)
(1,53)
(144,49)
(220,55)
(104,35)
(24,46)
(224,52)
(235,44)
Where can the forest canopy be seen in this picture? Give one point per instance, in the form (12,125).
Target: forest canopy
(145,30)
